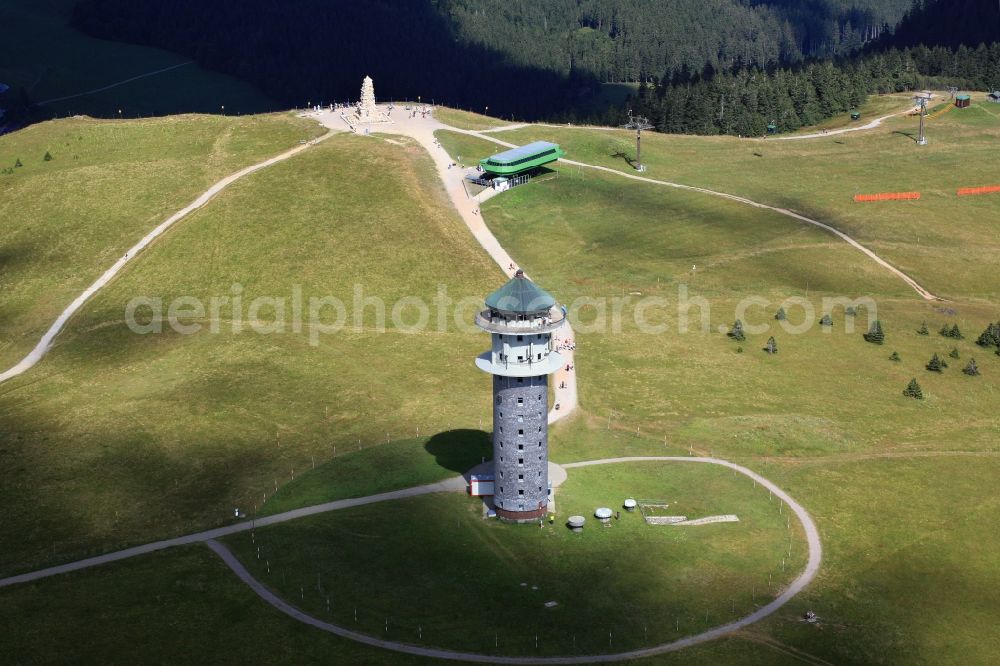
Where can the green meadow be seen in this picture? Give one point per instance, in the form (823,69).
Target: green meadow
(118,438)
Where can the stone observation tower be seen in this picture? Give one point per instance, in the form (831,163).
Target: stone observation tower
(521,318)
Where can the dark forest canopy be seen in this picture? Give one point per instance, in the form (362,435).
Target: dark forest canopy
(704,66)
(546,56)
(951,23)
(746,101)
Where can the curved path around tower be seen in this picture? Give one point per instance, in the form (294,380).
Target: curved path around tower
(43,346)
(801,581)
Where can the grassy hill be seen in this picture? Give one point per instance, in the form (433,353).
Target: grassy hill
(926,239)
(107,185)
(118,438)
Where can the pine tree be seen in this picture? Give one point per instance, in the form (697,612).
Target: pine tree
(989,337)
(955,333)
(827,320)
(772,346)
(934,365)
(945,331)
(954,353)
(923,329)
(736,332)
(971,369)
(912,390)
(17,163)
(780,314)
(48,156)
(875,335)
(894,356)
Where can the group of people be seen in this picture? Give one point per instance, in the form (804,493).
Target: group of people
(568,344)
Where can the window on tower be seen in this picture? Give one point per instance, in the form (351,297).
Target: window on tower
(520,447)
(520,492)
(520,432)
(520,401)
(520,461)
(520,338)
(520,477)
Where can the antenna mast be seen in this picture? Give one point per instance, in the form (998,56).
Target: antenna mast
(638,123)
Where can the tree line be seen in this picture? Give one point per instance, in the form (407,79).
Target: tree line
(702,66)
(744,102)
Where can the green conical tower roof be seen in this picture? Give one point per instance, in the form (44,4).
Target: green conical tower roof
(520,296)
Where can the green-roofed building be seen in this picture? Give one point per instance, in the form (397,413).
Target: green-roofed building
(521,159)
(520,296)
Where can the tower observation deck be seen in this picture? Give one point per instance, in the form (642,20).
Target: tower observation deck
(520,317)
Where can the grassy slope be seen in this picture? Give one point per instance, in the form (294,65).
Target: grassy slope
(118,438)
(466,119)
(819,177)
(185,604)
(823,392)
(636,575)
(902,580)
(109,183)
(51,60)
(881,568)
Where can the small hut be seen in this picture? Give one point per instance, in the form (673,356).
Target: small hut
(772,128)
(994,97)
(963,101)
(855,115)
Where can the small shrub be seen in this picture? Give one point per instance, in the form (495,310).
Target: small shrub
(850,311)
(772,346)
(17,163)
(780,315)
(935,364)
(954,353)
(736,332)
(827,320)
(971,369)
(894,356)
(739,350)
(875,335)
(912,390)
(923,329)
(48,156)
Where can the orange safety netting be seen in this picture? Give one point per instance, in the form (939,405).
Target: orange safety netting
(887,196)
(978,190)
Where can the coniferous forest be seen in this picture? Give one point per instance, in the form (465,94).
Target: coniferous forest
(701,66)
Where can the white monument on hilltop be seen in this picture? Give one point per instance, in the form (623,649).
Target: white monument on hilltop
(366,111)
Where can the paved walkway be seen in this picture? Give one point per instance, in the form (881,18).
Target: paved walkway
(43,346)
(422,130)
(807,575)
